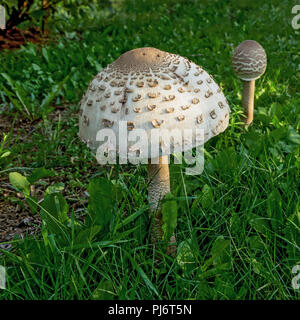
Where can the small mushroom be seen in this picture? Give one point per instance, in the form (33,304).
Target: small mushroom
(249,62)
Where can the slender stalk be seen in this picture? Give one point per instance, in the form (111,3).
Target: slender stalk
(248,100)
(159,185)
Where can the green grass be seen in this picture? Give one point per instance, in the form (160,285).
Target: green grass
(238,223)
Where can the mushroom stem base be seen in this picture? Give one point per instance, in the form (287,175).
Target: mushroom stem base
(248,100)
(159,186)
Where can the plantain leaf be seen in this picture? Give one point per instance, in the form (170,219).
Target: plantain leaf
(101,202)
(20,182)
(40,173)
(169,216)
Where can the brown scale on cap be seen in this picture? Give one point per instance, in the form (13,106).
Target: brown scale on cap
(153,84)
(169,110)
(137,110)
(221,104)
(213,114)
(153,95)
(151,107)
(129,90)
(208,93)
(130,125)
(200,119)
(107,123)
(169,98)
(86,120)
(185,107)
(157,123)
(137,98)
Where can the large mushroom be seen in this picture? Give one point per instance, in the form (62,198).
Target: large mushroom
(152,90)
(249,62)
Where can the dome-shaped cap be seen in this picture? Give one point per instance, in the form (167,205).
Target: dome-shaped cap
(153,90)
(249,60)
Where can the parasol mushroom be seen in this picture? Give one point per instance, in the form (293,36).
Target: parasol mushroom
(151,90)
(249,62)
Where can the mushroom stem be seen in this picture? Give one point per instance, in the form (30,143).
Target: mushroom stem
(159,186)
(248,100)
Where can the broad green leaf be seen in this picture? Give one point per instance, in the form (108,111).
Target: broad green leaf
(20,182)
(293,136)
(185,257)
(54,210)
(219,251)
(274,209)
(33,204)
(104,291)
(40,173)
(14,101)
(292,234)
(255,243)
(56,187)
(5,154)
(101,202)
(169,216)
(53,93)
(18,91)
(258,223)
(207,197)
(86,235)
(143,275)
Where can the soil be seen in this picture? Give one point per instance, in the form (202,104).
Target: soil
(16,218)
(15,37)
(14,221)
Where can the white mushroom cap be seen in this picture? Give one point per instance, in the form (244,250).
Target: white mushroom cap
(151,90)
(249,60)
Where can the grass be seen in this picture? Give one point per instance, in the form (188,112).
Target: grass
(238,223)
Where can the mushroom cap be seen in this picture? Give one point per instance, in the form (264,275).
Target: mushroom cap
(249,60)
(152,90)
